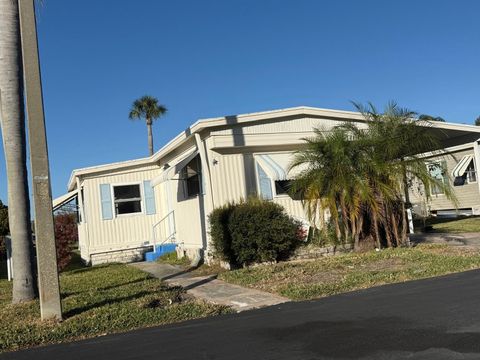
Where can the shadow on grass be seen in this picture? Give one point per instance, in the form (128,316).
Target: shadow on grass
(180,273)
(67,294)
(76,262)
(82,309)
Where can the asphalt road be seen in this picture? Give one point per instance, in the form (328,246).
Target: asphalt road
(428,319)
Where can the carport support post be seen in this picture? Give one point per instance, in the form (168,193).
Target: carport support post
(50,305)
(476,157)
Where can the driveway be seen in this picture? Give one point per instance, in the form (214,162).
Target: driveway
(456,239)
(427,319)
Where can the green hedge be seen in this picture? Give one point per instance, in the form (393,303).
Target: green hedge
(253,231)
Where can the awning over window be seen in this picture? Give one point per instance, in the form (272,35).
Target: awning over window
(172,171)
(277,166)
(64,199)
(461,167)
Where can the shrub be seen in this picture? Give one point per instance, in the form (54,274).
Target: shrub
(3,248)
(253,231)
(66,235)
(219,233)
(4,229)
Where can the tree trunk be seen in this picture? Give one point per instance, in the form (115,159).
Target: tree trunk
(375,229)
(359,229)
(404,225)
(354,232)
(344,218)
(150,136)
(394,220)
(12,122)
(337,229)
(386,222)
(405,184)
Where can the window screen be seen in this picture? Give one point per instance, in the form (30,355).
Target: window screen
(282,187)
(192,177)
(128,199)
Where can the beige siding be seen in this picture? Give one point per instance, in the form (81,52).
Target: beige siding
(189,222)
(468,195)
(302,124)
(293,207)
(230,176)
(82,241)
(122,231)
(232,172)
(189,218)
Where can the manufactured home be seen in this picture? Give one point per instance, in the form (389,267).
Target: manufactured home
(127,208)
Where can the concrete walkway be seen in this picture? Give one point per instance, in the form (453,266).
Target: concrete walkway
(209,288)
(457,239)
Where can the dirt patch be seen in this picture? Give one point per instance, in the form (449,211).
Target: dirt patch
(394,264)
(324,277)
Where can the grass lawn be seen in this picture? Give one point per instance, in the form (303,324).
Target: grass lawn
(337,274)
(172,259)
(457,225)
(97,301)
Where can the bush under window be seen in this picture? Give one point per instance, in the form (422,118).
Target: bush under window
(253,231)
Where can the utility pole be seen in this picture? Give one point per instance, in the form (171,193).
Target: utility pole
(50,305)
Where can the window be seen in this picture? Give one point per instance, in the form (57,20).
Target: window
(192,177)
(264,184)
(282,187)
(470,173)
(127,199)
(437,171)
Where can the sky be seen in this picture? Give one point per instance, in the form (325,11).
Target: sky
(213,58)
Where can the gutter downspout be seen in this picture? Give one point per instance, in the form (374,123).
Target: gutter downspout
(83,223)
(208,196)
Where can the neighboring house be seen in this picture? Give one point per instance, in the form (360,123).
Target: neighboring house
(458,166)
(127,207)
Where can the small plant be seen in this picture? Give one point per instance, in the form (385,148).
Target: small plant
(173,259)
(323,237)
(254,231)
(219,232)
(3,249)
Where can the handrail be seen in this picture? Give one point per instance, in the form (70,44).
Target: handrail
(172,231)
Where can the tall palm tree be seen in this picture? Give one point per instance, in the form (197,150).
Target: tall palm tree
(148,108)
(12,120)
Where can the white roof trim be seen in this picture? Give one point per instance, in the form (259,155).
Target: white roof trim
(172,171)
(65,198)
(462,165)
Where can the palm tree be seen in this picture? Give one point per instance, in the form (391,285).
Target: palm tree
(148,108)
(12,120)
(358,177)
